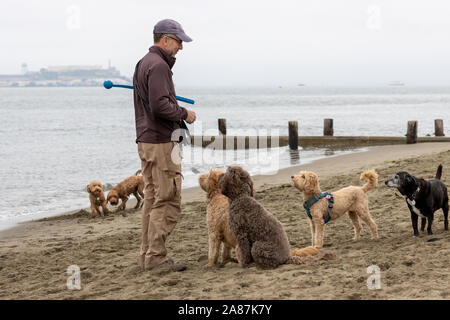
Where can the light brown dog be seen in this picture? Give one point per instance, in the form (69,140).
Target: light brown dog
(352,199)
(217,219)
(97,198)
(131,185)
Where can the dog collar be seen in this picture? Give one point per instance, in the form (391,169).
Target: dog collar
(412,200)
(311,201)
(219,195)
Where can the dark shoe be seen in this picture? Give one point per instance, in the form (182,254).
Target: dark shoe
(168,266)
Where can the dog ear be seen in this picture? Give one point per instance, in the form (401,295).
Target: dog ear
(252,189)
(311,183)
(236,178)
(201,182)
(413,179)
(410,179)
(243,179)
(246,177)
(220,178)
(223,183)
(229,183)
(88,190)
(212,180)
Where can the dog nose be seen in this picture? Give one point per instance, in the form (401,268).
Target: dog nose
(292,177)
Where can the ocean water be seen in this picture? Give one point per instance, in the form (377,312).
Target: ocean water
(54,141)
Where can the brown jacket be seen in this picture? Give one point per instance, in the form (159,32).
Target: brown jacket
(154,83)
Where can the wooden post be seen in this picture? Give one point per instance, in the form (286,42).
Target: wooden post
(293,135)
(439,127)
(411,134)
(328,127)
(223,126)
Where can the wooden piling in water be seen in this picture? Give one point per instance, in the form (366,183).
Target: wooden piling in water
(328,127)
(293,135)
(223,126)
(411,133)
(439,127)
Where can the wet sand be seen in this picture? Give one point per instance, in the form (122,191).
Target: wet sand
(34,256)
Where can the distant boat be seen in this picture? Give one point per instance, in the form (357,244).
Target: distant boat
(301,85)
(396,83)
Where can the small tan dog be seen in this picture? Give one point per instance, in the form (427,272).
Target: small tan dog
(217,219)
(352,199)
(97,198)
(131,185)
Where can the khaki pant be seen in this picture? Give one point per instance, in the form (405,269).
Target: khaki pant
(162,200)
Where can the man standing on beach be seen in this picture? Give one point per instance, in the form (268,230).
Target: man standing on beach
(157,117)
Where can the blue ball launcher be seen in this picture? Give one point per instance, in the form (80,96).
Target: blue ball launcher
(108,85)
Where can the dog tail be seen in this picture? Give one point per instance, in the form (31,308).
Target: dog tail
(372,178)
(310,254)
(439,172)
(138,172)
(298,254)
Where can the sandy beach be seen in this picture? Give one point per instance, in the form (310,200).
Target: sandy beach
(34,256)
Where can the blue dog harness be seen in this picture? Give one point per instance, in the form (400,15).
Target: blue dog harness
(311,201)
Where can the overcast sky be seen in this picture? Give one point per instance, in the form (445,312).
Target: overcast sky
(315,42)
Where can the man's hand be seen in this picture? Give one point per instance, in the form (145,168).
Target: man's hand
(190,116)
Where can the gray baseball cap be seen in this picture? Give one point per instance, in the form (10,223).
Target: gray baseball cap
(173,27)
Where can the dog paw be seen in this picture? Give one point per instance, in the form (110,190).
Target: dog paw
(208,266)
(230,260)
(248,265)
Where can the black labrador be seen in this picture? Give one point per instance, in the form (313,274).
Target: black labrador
(423,197)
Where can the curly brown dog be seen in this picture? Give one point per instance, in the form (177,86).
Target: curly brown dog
(217,219)
(260,236)
(97,198)
(352,199)
(131,185)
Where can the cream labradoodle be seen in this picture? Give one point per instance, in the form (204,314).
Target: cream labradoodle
(352,199)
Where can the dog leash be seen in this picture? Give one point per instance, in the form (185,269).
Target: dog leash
(311,201)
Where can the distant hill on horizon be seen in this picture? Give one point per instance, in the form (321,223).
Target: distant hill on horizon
(64,76)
